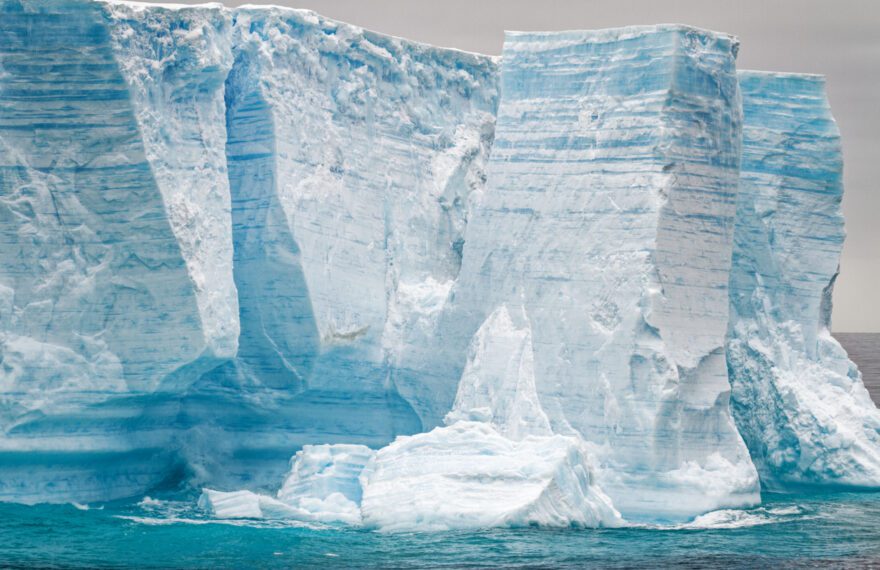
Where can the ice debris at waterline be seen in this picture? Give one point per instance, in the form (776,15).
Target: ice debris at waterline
(584,283)
(497,463)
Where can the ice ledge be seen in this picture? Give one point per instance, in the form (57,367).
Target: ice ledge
(607,35)
(305,16)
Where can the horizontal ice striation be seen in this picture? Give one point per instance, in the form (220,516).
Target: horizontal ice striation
(797,399)
(351,160)
(613,175)
(100,306)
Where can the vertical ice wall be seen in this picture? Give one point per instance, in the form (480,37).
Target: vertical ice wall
(99,303)
(798,400)
(175,62)
(352,157)
(608,216)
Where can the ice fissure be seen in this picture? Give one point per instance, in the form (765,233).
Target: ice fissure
(583,284)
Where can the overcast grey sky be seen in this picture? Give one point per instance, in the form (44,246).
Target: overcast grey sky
(837,38)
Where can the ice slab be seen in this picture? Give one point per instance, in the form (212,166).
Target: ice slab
(468,475)
(322,486)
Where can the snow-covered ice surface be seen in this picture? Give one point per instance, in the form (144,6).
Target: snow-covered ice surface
(461,291)
(798,400)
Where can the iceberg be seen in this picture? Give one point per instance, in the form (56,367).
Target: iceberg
(614,173)
(583,284)
(798,400)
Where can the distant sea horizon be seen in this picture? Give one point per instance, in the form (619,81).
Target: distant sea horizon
(864,350)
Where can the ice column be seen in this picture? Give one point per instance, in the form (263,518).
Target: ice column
(797,399)
(609,217)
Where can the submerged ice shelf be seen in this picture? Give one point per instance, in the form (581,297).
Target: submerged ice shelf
(586,282)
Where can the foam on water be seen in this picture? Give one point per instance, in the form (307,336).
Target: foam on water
(833,530)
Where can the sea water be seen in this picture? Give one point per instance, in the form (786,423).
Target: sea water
(787,531)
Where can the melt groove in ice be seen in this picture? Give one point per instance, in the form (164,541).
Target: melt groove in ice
(585,282)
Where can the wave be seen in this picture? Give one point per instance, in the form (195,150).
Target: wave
(254,523)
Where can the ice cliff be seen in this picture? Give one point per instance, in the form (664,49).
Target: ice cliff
(584,283)
(614,173)
(798,400)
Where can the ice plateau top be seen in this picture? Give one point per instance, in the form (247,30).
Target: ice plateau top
(587,283)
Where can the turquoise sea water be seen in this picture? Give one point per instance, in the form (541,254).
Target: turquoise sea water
(831,530)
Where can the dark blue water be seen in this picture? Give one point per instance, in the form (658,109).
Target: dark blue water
(832,530)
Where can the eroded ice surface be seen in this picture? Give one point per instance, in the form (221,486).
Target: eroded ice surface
(116,272)
(798,400)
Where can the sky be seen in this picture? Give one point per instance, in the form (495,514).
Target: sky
(837,38)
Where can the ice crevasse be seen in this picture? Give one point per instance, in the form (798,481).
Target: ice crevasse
(585,283)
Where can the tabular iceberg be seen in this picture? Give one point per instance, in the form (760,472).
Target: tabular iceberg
(798,400)
(460,291)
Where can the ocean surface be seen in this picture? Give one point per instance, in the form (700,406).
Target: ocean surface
(835,530)
(829,530)
(864,350)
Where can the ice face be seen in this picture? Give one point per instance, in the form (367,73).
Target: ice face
(798,400)
(331,166)
(613,173)
(104,307)
(351,160)
(175,64)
